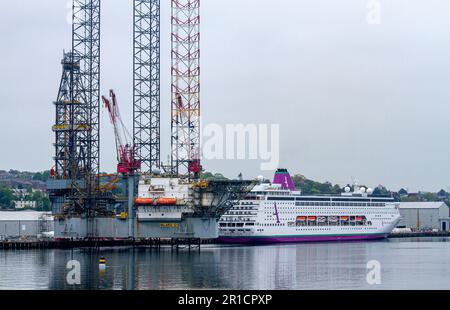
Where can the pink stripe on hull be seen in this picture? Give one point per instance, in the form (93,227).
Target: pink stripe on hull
(266,240)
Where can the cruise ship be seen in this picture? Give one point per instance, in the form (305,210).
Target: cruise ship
(276,212)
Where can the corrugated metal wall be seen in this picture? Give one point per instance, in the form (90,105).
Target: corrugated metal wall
(14,229)
(420,218)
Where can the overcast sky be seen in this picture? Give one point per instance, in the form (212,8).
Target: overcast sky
(352,99)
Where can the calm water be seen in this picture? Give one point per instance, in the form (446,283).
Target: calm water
(405,264)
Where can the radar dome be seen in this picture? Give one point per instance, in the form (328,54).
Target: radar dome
(370,191)
(347,189)
(260,178)
(363,190)
(156,171)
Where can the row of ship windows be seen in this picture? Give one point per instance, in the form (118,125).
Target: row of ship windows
(316,229)
(325,199)
(332,204)
(235,224)
(234,219)
(297,224)
(245,208)
(331,212)
(248,219)
(330,208)
(346,228)
(302,229)
(339,204)
(290,206)
(240,230)
(325,204)
(317,224)
(241,213)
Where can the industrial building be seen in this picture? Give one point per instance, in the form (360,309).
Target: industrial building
(424,215)
(27,224)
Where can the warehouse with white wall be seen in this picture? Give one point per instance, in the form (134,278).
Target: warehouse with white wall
(424,215)
(30,224)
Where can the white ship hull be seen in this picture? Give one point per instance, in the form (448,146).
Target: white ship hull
(379,223)
(274,214)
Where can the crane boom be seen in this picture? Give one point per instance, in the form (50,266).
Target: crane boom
(126,153)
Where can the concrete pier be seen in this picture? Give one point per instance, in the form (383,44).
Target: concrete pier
(175,244)
(420,234)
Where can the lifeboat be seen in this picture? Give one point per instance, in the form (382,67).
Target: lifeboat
(311,218)
(359,218)
(166,201)
(333,219)
(156,202)
(322,219)
(344,218)
(144,201)
(301,218)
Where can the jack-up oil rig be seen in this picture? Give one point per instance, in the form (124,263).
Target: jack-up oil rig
(144,199)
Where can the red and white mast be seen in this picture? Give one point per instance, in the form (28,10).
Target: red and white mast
(185,156)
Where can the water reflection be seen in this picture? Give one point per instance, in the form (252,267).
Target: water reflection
(405,264)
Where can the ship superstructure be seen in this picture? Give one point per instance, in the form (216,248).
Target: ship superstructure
(276,212)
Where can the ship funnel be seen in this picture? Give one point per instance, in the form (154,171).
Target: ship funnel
(283,178)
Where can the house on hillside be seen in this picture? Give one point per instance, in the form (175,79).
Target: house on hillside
(403,193)
(24,204)
(442,195)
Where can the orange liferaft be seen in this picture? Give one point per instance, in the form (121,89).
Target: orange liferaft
(158,202)
(143,201)
(166,201)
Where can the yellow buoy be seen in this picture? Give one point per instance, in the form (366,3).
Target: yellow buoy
(102,261)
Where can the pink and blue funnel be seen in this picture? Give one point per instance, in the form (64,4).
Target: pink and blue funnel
(283,178)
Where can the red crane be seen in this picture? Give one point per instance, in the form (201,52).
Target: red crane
(126,153)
